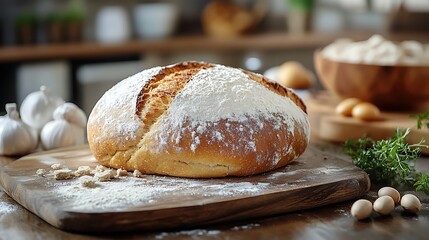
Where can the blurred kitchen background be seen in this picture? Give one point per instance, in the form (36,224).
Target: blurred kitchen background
(80,48)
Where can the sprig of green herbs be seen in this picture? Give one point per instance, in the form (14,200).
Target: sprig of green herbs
(390,161)
(422,119)
(422,183)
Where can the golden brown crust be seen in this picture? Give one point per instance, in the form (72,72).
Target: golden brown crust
(273,145)
(212,158)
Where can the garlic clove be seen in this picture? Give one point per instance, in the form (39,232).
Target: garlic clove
(411,203)
(389,191)
(16,137)
(384,205)
(38,107)
(71,113)
(361,209)
(60,133)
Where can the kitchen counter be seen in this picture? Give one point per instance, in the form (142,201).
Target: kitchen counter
(329,222)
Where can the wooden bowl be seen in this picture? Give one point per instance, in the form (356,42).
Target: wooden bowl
(396,87)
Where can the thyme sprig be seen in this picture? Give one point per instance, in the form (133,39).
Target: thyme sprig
(422,183)
(390,161)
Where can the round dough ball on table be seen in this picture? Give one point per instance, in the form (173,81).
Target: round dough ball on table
(198,120)
(294,75)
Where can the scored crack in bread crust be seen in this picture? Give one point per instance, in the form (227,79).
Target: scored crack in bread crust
(174,135)
(157,94)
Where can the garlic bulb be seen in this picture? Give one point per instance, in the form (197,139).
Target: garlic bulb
(37,108)
(60,133)
(67,128)
(71,113)
(16,137)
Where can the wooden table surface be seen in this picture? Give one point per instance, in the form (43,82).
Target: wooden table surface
(329,222)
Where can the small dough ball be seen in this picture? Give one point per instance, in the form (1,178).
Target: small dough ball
(389,191)
(361,209)
(100,168)
(384,205)
(87,181)
(137,174)
(293,75)
(41,172)
(105,175)
(366,111)
(83,170)
(56,166)
(121,172)
(346,106)
(411,203)
(63,174)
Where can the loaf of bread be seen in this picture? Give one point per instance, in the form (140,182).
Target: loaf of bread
(198,120)
(226,19)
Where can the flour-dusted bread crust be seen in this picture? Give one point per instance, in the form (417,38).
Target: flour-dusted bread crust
(198,120)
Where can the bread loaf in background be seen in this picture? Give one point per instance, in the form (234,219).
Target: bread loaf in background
(198,120)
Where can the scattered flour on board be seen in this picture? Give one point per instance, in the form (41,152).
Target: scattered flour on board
(126,192)
(332,169)
(6,208)
(311,173)
(246,227)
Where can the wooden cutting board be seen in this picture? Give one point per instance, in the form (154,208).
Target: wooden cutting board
(161,203)
(327,125)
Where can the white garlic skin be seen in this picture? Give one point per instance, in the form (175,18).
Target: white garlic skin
(384,205)
(60,133)
(16,137)
(411,203)
(389,191)
(67,128)
(361,209)
(37,108)
(71,113)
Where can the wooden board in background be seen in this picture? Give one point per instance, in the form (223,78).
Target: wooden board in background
(315,179)
(327,125)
